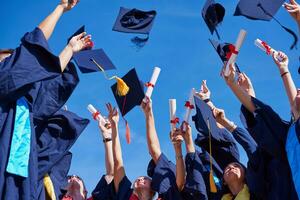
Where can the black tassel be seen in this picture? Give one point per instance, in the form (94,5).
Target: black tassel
(139,42)
(294,45)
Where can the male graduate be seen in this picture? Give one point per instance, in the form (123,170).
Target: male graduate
(34,84)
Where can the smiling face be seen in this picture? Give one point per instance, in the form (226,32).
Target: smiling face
(234,172)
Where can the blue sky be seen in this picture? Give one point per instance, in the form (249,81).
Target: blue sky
(178,44)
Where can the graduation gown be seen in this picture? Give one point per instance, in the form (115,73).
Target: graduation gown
(33,72)
(103,190)
(224,148)
(163,175)
(197,178)
(270,133)
(55,136)
(255,176)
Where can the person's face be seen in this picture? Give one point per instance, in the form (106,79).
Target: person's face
(3,56)
(142,182)
(75,183)
(234,172)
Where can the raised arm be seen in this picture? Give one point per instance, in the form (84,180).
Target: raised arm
(287,79)
(109,159)
(242,94)
(176,138)
(241,135)
(48,24)
(77,43)
(152,139)
(119,171)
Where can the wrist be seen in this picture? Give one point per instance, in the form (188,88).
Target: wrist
(177,147)
(283,69)
(60,7)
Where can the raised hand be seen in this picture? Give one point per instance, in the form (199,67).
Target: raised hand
(105,129)
(245,83)
(113,114)
(176,137)
(68,4)
(294,9)
(219,115)
(282,61)
(204,92)
(80,42)
(230,79)
(147,106)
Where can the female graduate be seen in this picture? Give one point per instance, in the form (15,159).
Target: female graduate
(270,131)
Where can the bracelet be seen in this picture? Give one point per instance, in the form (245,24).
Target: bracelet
(105,140)
(284,73)
(206,100)
(179,157)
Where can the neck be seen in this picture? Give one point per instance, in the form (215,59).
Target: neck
(235,187)
(75,194)
(142,195)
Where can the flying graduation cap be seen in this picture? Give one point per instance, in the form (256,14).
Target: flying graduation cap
(135,21)
(262,10)
(213,14)
(133,98)
(96,60)
(224,51)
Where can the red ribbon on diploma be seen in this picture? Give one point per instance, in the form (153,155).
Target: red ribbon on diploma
(232,50)
(95,115)
(175,121)
(149,84)
(267,47)
(189,105)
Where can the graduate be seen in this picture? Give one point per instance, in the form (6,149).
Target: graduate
(243,183)
(121,184)
(168,179)
(269,131)
(25,99)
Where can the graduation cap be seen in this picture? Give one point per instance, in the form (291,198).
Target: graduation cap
(262,10)
(134,96)
(213,14)
(224,51)
(135,21)
(96,60)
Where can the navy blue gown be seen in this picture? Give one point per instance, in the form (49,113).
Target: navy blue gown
(270,133)
(33,72)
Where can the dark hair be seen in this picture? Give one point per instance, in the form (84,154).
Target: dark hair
(79,178)
(7,51)
(225,189)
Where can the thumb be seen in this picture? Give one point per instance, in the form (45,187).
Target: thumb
(81,35)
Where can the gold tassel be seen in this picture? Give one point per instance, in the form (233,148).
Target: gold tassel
(212,184)
(122,87)
(50,193)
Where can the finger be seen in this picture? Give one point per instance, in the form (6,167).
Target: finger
(293,10)
(293,2)
(81,35)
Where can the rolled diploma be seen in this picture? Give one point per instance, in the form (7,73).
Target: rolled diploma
(172,108)
(93,110)
(188,110)
(238,45)
(258,43)
(153,80)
